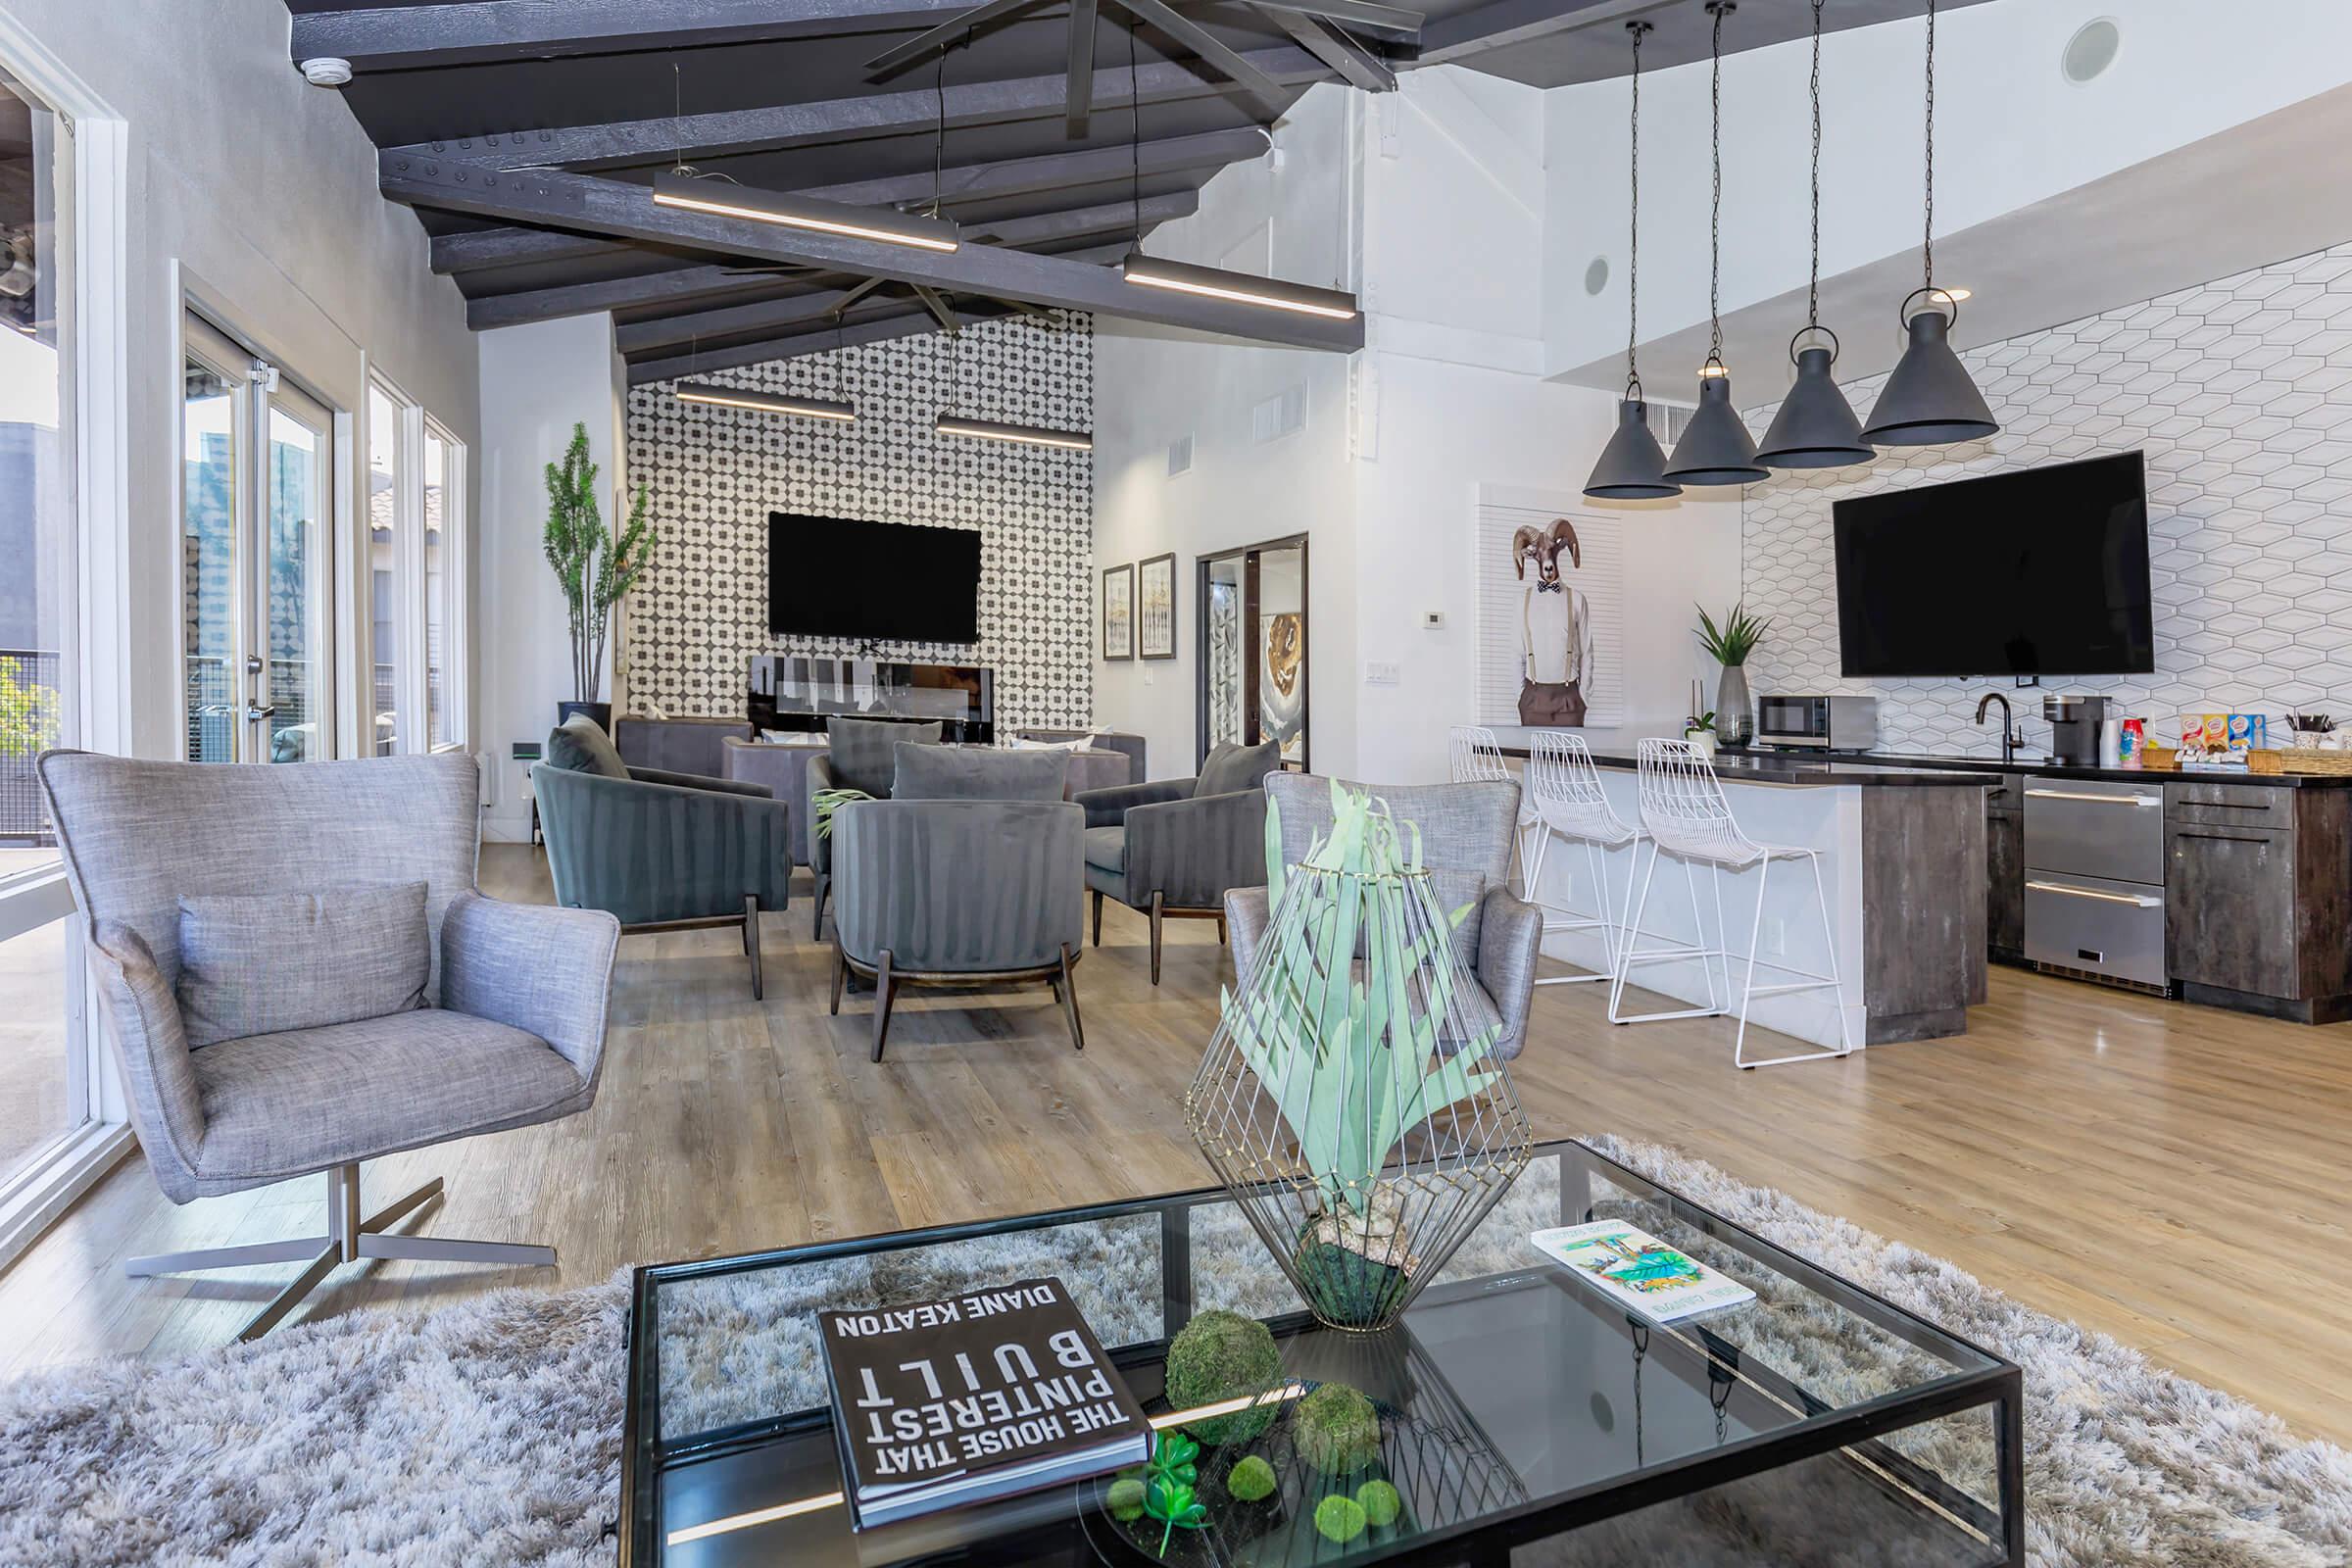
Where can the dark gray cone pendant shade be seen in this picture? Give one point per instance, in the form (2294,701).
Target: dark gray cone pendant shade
(1816,427)
(1715,448)
(1632,466)
(1929,400)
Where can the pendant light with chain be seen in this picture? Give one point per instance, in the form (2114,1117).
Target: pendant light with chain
(1716,448)
(1815,427)
(1929,399)
(1631,467)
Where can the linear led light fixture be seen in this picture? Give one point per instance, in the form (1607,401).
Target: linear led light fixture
(729,200)
(1033,435)
(1218,284)
(738,396)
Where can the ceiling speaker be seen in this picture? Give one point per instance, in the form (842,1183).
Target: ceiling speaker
(2091,50)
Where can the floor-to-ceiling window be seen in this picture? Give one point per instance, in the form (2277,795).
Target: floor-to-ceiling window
(443,558)
(386,585)
(256,473)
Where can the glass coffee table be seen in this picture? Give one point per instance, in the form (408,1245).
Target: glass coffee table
(1523,1418)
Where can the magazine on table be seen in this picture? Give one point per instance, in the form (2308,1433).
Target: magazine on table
(975,1397)
(1638,1272)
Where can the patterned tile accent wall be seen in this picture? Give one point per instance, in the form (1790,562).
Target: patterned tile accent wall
(714,474)
(2240,393)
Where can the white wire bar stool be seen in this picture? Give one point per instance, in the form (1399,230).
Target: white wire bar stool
(1565,786)
(1476,756)
(1686,815)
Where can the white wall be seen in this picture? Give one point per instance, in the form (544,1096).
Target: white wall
(256,193)
(2010,130)
(537,381)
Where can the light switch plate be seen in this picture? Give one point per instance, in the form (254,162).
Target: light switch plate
(1380,672)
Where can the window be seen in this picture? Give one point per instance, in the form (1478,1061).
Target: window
(444,587)
(385,578)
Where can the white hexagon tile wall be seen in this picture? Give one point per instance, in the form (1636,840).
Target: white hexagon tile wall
(2240,393)
(714,474)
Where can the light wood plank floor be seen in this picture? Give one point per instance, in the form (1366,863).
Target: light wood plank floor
(2101,1155)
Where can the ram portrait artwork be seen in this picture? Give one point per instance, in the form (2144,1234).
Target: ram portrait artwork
(1556,627)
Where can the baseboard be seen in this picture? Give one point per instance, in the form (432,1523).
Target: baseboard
(36,1202)
(2315,1009)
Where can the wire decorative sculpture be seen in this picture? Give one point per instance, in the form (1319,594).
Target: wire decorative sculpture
(1351,1100)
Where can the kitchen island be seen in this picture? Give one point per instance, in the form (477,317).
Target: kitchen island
(1903,866)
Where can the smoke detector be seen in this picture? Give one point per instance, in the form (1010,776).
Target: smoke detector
(327,71)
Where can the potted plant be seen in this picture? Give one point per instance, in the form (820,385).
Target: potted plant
(1351,1100)
(1729,645)
(595,569)
(1699,730)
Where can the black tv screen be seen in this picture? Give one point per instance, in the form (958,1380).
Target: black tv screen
(2039,573)
(834,577)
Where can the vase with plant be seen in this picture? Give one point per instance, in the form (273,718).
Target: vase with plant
(595,568)
(1699,730)
(1351,1099)
(1729,645)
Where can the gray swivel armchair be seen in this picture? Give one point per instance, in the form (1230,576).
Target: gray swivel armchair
(1466,833)
(299,975)
(1176,846)
(862,755)
(967,876)
(660,851)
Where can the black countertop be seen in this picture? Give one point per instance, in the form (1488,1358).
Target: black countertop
(2040,768)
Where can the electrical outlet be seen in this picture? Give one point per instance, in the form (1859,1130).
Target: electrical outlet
(1381,672)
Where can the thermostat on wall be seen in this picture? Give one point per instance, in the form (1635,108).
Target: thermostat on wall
(1432,620)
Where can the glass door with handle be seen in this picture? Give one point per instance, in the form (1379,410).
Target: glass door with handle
(257,469)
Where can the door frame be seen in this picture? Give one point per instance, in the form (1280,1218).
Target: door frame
(1252,733)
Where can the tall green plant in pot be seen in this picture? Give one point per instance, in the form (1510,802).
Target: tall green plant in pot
(1728,644)
(1351,1099)
(595,568)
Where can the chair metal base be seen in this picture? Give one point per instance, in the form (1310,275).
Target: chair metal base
(348,1239)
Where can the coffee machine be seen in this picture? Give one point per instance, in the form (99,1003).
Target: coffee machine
(2075,728)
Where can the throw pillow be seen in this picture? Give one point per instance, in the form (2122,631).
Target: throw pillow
(866,749)
(1232,769)
(580,745)
(264,963)
(977,773)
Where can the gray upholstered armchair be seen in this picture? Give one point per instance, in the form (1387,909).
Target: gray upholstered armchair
(1466,832)
(969,875)
(1177,846)
(660,851)
(299,975)
(862,755)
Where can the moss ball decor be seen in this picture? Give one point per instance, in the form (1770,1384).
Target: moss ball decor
(1250,1480)
(1336,1430)
(1125,1499)
(1223,1355)
(1339,1519)
(1381,1503)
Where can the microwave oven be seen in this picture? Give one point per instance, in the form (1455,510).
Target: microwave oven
(1818,723)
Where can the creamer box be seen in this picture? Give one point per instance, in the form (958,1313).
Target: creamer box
(2217,732)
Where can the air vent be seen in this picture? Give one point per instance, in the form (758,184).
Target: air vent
(1668,421)
(1180,454)
(1282,414)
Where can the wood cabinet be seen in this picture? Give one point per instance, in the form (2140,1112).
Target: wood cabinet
(2004,872)
(2258,897)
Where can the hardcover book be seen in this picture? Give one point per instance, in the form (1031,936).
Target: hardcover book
(1638,1272)
(980,1396)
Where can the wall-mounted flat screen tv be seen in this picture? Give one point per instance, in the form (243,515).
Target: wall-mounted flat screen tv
(835,577)
(2043,572)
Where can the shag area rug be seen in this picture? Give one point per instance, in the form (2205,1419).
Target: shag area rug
(489,1431)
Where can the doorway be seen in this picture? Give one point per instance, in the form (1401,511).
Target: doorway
(256,470)
(1251,656)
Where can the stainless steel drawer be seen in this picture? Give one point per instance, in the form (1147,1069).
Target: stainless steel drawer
(2095,924)
(2094,828)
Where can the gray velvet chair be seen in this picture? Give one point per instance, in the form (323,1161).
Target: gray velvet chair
(1176,846)
(1466,835)
(953,882)
(505,1025)
(1132,746)
(660,851)
(860,755)
(676,745)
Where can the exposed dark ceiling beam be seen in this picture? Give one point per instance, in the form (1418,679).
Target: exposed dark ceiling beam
(1360,66)
(1208,49)
(1364,16)
(622,143)
(1500,24)
(1233,67)
(611,207)
(895,322)
(406,38)
(1079,106)
(948,321)
(956,28)
(1018,177)
(732,320)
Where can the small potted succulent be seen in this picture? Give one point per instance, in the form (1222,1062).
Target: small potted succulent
(1699,730)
